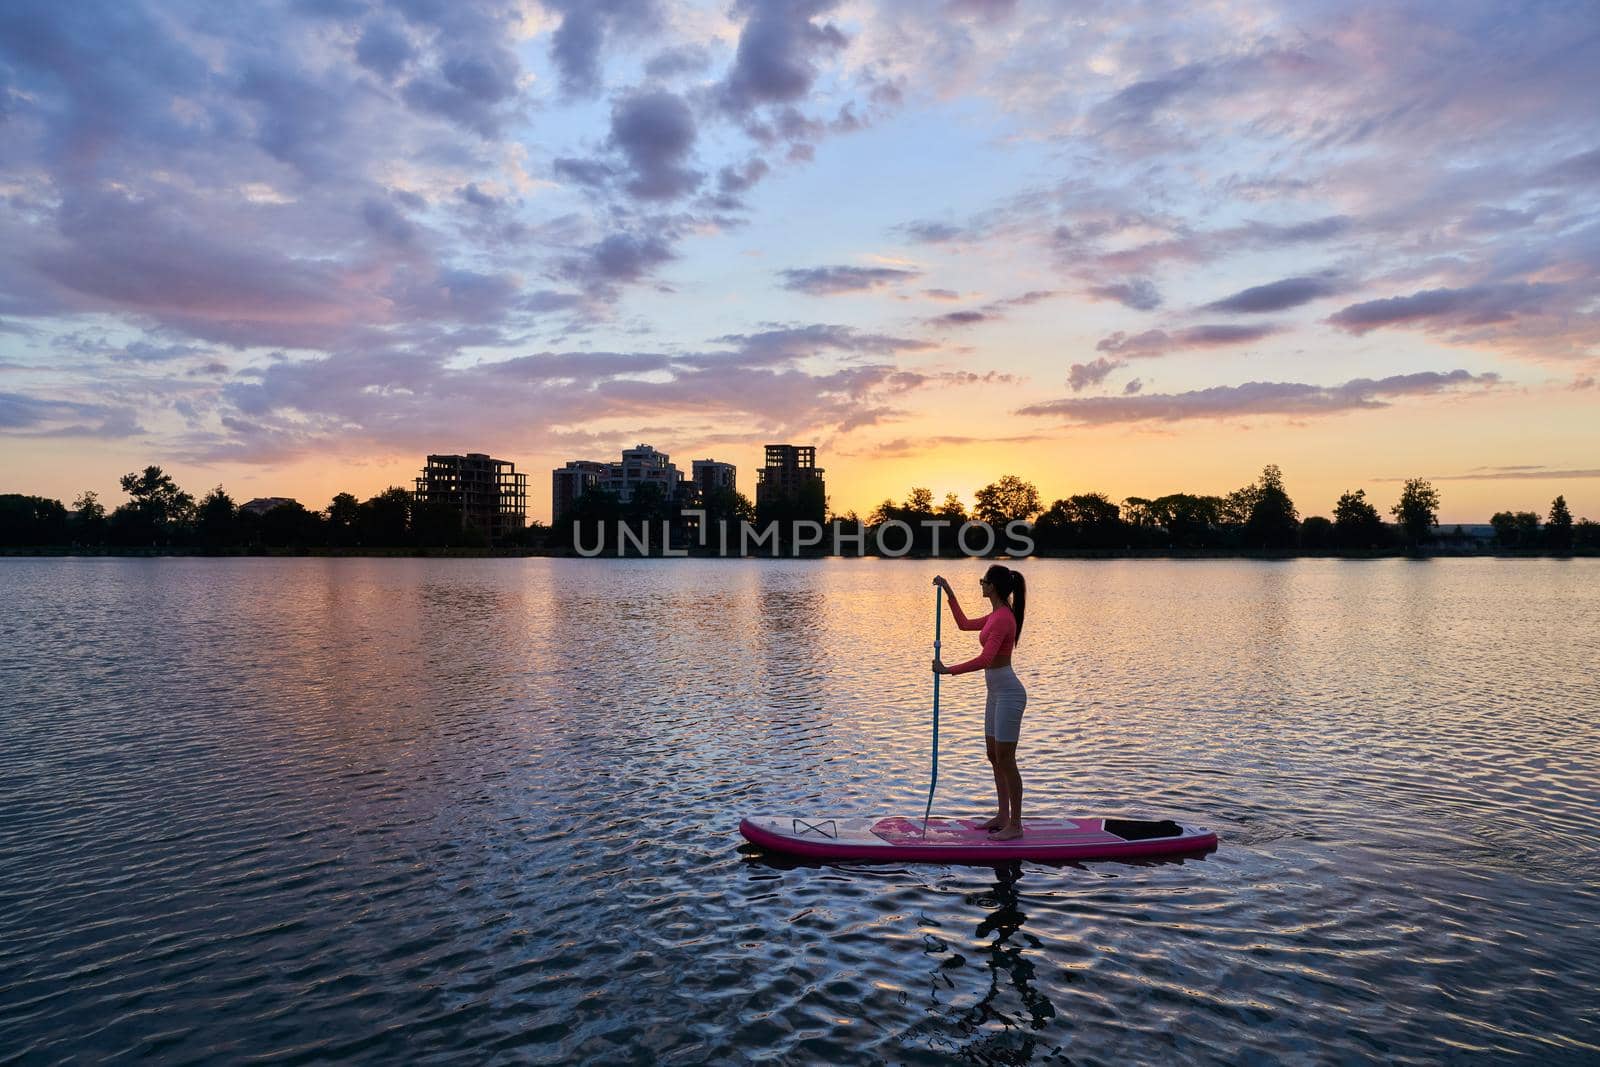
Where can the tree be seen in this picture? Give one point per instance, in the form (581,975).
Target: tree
(730,505)
(884,512)
(1528,529)
(1515,529)
(1237,507)
(88,520)
(217,520)
(1505,529)
(291,525)
(27,521)
(952,510)
(88,506)
(1179,520)
(344,520)
(154,493)
(1356,523)
(1087,520)
(920,502)
(1005,500)
(1558,529)
(1316,533)
(590,521)
(1272,521)
(1417,510)
(386,518)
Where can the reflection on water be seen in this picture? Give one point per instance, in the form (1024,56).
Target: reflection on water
(487,810)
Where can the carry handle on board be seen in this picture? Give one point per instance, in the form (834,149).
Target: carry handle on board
(938,622)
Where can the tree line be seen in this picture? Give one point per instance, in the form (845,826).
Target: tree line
(1256,517)
(158,514)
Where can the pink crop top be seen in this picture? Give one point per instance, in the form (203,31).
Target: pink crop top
(997,630)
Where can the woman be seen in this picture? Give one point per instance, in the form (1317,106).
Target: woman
(1002,717)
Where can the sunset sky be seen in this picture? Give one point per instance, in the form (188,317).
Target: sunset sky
(291,248)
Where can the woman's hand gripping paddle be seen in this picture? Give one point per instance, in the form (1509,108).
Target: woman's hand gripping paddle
(938,622)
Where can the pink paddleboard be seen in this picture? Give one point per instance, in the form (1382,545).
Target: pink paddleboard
(900,838)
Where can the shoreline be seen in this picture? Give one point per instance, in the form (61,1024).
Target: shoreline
(46,551)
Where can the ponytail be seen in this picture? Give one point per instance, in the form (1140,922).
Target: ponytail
(1019,600)
(1012,588)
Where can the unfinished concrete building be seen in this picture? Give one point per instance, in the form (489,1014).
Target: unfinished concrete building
(489,493)
(791,475)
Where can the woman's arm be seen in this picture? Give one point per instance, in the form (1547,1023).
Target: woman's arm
(962,622)
(993,641)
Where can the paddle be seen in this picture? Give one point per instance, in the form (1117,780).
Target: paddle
(938,622)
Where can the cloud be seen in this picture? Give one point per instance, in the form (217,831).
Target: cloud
(1535,474)
(147,257)
(831,281)
(960,318)
(1582,168)
(471,194)
(733,180)
(385,48)
(386,220)
(993,310)
(576,46)
(469,86)
(682,59)
(1276,296)
(760,380)
(1082,375)
(779,48)
(1137,293)
(1255,398)
(1133,387)
(28,416)
(1031,297)
(590,172)
(785,344)
(619,257)
(914,446)
(655,132)
(145,352)
(931,232)
(1137,103)
(1160,342)
(1436,309)
(1088,247)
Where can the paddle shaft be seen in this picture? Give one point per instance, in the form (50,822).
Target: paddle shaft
(938,623)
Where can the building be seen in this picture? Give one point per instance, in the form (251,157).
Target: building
(489,493)
(710,475)
(643,465)
(639,466)
(263,504)
(568,483)
(791,479)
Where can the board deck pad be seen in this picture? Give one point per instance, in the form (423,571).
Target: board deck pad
(901,830)
(899,838)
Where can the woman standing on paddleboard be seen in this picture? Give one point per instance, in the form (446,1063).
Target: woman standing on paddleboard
(1002,717)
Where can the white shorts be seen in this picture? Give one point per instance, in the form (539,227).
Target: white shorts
(1002,712)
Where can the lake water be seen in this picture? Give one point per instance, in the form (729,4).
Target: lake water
(486,811)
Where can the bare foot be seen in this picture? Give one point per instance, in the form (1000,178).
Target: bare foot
(993,824)
(1010,833)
